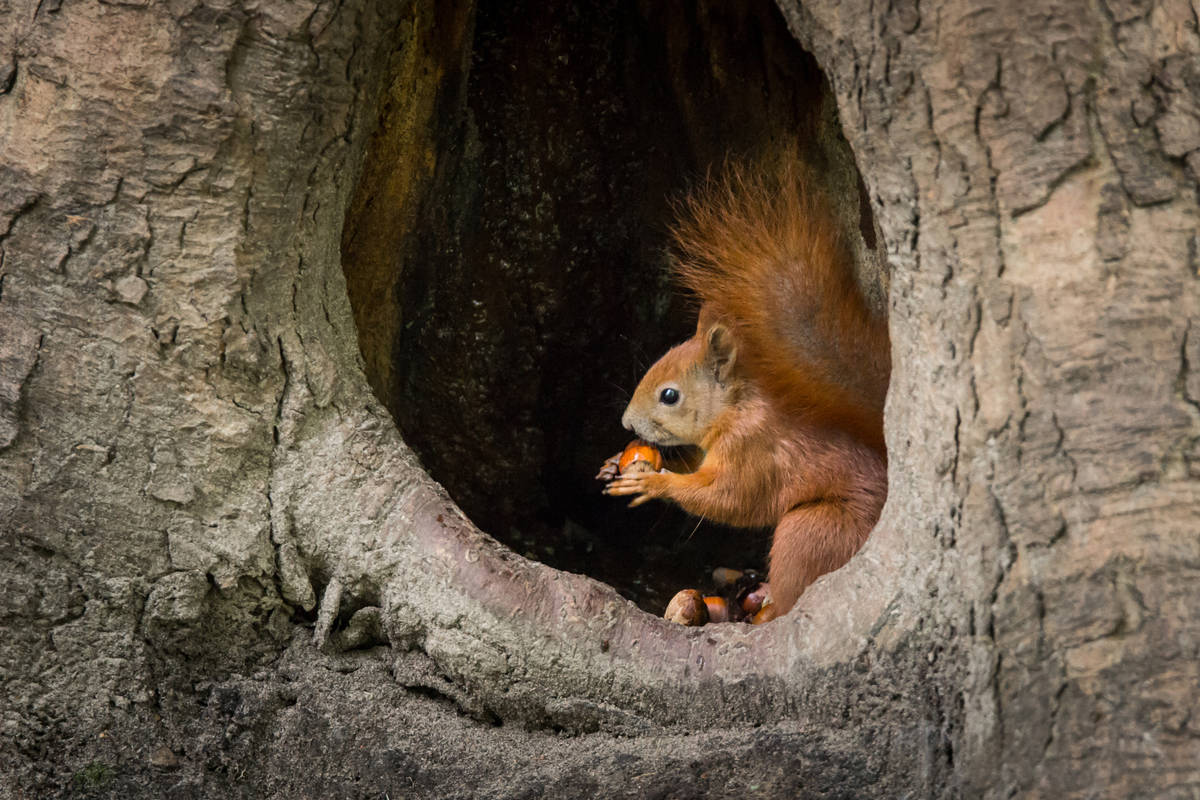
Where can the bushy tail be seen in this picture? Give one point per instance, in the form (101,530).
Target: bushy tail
(763,253)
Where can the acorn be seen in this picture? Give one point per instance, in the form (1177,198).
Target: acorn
(754,599)
(765,614)
(687,607)
(718,609)
(639,456)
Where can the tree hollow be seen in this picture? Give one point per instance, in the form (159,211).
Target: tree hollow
(506,251)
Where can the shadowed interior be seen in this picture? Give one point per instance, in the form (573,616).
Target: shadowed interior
(506,250)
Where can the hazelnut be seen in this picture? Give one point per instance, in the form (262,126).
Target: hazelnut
(639,456)
(724,576)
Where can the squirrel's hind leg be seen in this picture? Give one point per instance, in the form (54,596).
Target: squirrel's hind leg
(809,541)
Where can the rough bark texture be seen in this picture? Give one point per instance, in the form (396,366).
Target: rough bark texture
(196,481)
(1037,191)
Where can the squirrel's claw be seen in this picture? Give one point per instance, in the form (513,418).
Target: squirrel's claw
(610,468)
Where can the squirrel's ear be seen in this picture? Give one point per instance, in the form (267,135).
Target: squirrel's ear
(721,351)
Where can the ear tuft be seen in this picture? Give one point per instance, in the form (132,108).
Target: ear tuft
(720,352)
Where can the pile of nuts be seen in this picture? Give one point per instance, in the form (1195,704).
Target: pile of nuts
(744,598)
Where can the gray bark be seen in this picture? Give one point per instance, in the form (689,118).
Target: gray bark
(227,575)
(1041,222)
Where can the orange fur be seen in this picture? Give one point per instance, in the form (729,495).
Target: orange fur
(761,252)
(790,413)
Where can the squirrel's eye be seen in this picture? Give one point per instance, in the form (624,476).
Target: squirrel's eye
(669,396)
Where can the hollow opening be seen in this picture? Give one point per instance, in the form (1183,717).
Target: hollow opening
(506,250)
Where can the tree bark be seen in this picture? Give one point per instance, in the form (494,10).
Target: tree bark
(227,574)
(1039,200)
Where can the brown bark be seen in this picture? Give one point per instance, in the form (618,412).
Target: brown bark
(195,477)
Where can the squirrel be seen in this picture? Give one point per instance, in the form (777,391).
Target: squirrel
(782,386)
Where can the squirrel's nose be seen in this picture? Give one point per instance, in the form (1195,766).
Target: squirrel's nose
(626,422)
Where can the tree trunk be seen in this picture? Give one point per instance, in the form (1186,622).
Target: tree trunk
(227,573)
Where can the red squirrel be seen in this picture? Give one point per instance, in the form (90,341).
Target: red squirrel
(782,386)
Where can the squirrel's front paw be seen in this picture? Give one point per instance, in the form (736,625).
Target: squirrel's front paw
(646,485)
